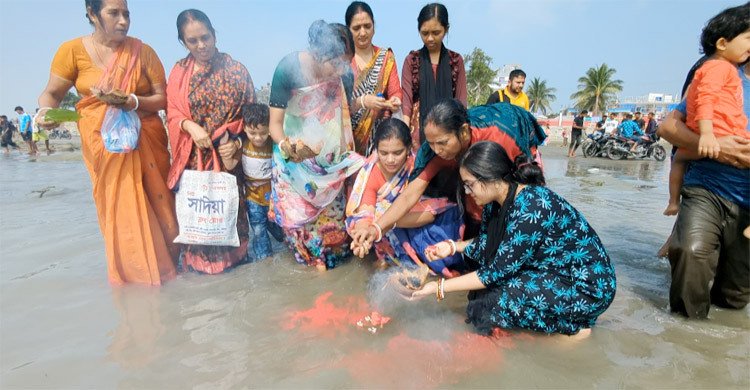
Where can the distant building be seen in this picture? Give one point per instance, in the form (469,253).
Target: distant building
(659,103)
(501,80)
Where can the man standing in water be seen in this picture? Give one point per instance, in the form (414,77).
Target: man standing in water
(6,134)
(24,127)
(513,92)
(39,134)
(576,133)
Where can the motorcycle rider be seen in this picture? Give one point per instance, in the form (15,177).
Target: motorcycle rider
(651,127)
(610,125)
(630,130)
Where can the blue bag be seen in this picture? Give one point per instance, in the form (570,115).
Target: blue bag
(120,130)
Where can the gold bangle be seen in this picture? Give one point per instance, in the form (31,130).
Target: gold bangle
(182,122)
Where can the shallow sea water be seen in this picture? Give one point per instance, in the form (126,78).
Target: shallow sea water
(278,324)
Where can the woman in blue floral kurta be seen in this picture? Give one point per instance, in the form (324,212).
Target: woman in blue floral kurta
(539,264)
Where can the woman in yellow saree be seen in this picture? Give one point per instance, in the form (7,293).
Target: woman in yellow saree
(377,89)
(134,206)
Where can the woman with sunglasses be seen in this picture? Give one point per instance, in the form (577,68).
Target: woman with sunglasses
(450,130)
(538,264)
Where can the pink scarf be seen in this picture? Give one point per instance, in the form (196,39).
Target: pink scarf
(178,109)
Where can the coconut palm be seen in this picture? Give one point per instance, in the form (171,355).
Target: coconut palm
(597,89)
(540,95)
(479,76)
(70,100)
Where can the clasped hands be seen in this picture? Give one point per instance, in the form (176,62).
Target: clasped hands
(364,235)
(379,103)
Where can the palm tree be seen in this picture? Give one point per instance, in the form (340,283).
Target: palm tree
(479,76)
(70,100)
(597,89)
(540,95)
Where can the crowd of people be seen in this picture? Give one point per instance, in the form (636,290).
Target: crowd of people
(346,157)
(630,126)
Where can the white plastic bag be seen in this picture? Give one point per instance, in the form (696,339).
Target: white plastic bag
(207,204)
(120,130)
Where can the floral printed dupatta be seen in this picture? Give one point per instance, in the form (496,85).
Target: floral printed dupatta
(318,115)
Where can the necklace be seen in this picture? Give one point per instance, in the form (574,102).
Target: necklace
(98,55)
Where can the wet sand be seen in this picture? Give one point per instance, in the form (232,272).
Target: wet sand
(278,324)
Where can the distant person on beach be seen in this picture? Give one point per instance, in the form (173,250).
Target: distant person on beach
(206,91)
(40,134)
(576,133)
(651,126)
(377,89)
(26,129)
(630,130)
(600,124)
(513,92)
(638,119)
(257,158)
(610,125)
(708,253)
(432,73)
(6,134)
(135,207)
(564,134)
(536,264)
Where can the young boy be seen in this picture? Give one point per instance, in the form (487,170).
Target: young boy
(257,154)
(714,98)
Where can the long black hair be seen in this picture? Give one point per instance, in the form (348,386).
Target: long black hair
(392,128)
(488,162)
(449,115)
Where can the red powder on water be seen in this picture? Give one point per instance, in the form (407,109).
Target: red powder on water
(409,362)
(326,318)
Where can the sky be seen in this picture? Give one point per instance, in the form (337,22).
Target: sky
(651,43)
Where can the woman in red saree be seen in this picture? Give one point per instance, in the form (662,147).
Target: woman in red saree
(134,205)
(205,95)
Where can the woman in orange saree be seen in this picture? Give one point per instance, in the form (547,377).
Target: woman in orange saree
(134,206)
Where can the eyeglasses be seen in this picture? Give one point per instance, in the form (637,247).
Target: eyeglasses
(468,185)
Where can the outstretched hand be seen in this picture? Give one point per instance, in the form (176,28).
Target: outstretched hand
(428,289)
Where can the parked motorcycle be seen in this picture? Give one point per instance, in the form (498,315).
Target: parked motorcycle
(60,133)
(618,148)
(593,146)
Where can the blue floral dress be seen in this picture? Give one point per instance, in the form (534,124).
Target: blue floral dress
(550,274)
